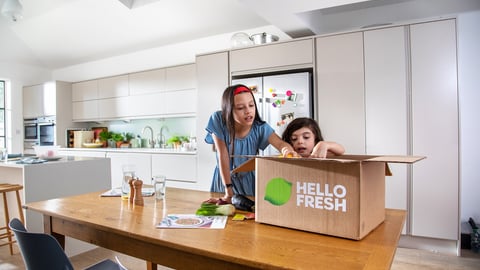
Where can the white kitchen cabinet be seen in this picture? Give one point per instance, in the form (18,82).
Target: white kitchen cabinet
(86,90)
(181,77)
(408,106)
(179,103)
(435,129)
(85,100)
(146,105)
(112,87)
(141,162)
(33,101)
(85,110)
(212,79)
(111,108)
(274,55)
(147,82)
(175,167)
(51,98)
(340,90)
(386,109)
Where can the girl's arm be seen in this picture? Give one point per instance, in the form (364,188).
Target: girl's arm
(224,165)
(324,149)
(285,148)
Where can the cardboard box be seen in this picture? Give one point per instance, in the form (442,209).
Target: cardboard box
(343,197)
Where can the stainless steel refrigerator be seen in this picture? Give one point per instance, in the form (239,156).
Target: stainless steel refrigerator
(280,97)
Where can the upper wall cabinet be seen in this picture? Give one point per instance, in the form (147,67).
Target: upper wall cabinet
(180,77)
(166,92)
(33,97)
(113,87)
(87,90)
(292,53)
(147,82)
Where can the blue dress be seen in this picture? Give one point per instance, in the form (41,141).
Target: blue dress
(257,139)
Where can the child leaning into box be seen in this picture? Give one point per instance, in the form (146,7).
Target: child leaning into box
(306,139)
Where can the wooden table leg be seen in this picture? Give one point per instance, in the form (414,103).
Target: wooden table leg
(151,266)
(47,227)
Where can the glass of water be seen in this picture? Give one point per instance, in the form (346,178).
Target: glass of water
(159,184)
(128,174)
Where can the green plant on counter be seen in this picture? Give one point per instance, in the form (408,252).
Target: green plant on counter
(118,137)
(128,136)
(177,139)
(105,135)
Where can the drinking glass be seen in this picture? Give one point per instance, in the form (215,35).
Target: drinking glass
(159,184)
(128,173)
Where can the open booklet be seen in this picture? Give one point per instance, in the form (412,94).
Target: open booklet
(185,221)
(117,192)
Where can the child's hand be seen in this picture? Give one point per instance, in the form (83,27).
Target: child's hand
(320,150)
(289,152)
(324,148)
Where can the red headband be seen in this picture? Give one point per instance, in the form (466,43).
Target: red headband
(240,89)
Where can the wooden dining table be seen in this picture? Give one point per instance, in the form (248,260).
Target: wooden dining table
(119,225)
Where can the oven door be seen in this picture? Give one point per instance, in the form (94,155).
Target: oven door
(47,133)
(30,130)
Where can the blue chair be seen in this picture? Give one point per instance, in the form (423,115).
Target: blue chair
(42,251)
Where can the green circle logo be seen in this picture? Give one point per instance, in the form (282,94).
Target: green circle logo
(278,191)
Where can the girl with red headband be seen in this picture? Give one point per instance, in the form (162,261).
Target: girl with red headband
(235,131)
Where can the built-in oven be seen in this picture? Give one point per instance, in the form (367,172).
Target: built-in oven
(38,131)
(46,130)
(31,136)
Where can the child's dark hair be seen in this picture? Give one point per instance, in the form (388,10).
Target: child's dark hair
(299,123)
(228,104)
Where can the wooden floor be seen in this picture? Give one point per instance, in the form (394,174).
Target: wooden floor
(410,259)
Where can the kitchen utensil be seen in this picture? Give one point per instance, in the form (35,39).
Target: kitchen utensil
(240,40)
(263,38)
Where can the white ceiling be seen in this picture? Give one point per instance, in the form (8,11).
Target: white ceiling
(60,33)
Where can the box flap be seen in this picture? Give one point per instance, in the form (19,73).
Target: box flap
(250,164)
(247,166)
(397,159)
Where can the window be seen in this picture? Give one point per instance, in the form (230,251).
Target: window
(3,132)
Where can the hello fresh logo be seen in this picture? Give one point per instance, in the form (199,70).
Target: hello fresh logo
(278,191)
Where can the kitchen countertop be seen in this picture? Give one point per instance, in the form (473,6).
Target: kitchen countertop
(135,150)
(13,163)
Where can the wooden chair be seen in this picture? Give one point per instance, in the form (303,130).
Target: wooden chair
(4,189)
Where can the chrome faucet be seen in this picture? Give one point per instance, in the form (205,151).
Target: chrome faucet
(162,137)
(151,142)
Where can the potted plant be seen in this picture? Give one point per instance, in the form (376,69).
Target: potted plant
(118,138)
(127,136)
(104,137)
(177,141)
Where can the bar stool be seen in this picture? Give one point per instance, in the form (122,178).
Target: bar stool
(4,189)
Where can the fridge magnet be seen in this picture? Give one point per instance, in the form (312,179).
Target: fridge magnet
(291,96)
(285,119)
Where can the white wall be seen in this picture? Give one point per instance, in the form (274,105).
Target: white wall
(17,76)
(469,98)
(171,55)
